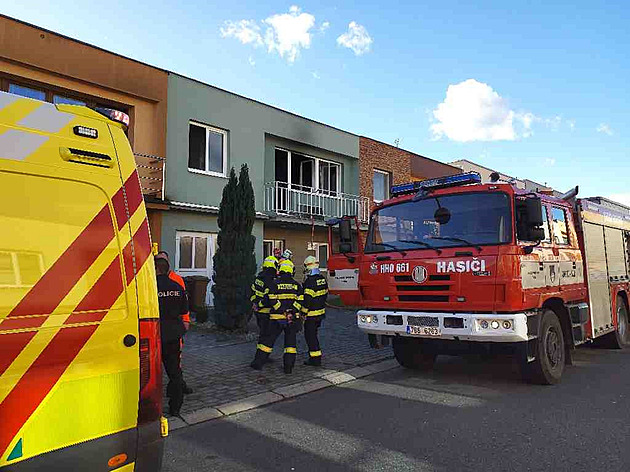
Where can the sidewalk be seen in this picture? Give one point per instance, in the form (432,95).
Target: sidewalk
(217,367)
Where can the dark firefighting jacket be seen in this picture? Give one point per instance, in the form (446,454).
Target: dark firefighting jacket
(261,287)
(173,304)
(315,294)
(285,294)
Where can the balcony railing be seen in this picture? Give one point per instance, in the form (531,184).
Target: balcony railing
(151,173)
(306,202)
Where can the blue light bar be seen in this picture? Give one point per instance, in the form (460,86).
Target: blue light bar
(441,182)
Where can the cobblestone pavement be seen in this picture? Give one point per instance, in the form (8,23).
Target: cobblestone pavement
(219,372)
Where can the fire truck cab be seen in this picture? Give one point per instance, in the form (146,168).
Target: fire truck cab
(452,265)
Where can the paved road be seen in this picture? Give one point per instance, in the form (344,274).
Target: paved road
(467,415)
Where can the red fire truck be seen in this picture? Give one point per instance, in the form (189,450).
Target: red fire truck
(451,265)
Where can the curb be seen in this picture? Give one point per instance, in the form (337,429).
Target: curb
(327,378)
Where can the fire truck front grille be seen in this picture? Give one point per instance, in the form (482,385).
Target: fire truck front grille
(431,321)
(432,278)
(423,298)
(423,288)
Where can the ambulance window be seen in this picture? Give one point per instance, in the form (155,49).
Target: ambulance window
(559,226)
(545,224)
(60,99)
(27,92)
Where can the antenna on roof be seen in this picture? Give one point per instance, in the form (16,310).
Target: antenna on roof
(397,142)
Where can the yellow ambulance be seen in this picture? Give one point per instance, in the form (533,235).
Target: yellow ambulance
(80,373)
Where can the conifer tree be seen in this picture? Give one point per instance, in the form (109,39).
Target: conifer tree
(235,260)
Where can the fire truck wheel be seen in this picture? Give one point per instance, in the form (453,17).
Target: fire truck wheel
(620,338)
(409,354)
(548,367)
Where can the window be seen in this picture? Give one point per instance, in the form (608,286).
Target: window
(329,177)
(559,226)
(269,245)
(305,173)
(60,99)
(545,224)
(321,253)
(207,150)
(27,92)
(193,251)
(448,221)
(381,185)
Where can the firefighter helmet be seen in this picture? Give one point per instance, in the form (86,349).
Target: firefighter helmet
(287,266)
(311,263)
(287,255)
(270,262)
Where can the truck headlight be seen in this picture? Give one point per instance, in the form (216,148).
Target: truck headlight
(494,324)
(483,324)
(374,319)
(362,318)
(507,324)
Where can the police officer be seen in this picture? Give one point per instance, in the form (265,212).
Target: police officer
(260,288)
(185,317)
(284,298)
(173,304)
(313,308)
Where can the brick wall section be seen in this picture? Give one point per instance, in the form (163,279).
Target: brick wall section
(403,165)
(377,155)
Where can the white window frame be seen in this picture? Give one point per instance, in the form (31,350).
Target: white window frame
(387,187)
(316,247)
(192,270)
(274,244)
(209,129)
(317,160)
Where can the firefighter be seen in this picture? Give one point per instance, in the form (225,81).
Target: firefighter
(284,298)
(287,255)
(186,316)
(173,304)
(313,308)
(260,288)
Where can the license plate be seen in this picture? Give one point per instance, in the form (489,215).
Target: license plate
(424,330)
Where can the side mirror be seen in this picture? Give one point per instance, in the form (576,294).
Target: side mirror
(536,234)
(345,248)
(533,210)
(345,231)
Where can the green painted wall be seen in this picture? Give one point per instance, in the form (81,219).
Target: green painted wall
(252,128)
(174,221)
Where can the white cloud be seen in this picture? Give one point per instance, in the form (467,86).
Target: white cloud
(251,61)
(315,75)
(553,123)
(288,33)
(473,111)
(605,128)
(623,198)
(550,161)
(285,33)
(246,31)
(324,26)
(571,124)
(356,38)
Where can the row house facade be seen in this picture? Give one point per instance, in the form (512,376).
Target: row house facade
(187,135)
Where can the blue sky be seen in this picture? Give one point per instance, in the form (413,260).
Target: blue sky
(536,91)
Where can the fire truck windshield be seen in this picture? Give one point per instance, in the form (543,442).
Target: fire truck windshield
(459,220)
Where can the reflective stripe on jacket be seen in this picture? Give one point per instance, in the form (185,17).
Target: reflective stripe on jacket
(260,287)
(315,294)
(285,294)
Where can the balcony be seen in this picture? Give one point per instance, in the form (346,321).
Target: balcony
(306,202)
(151,173)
